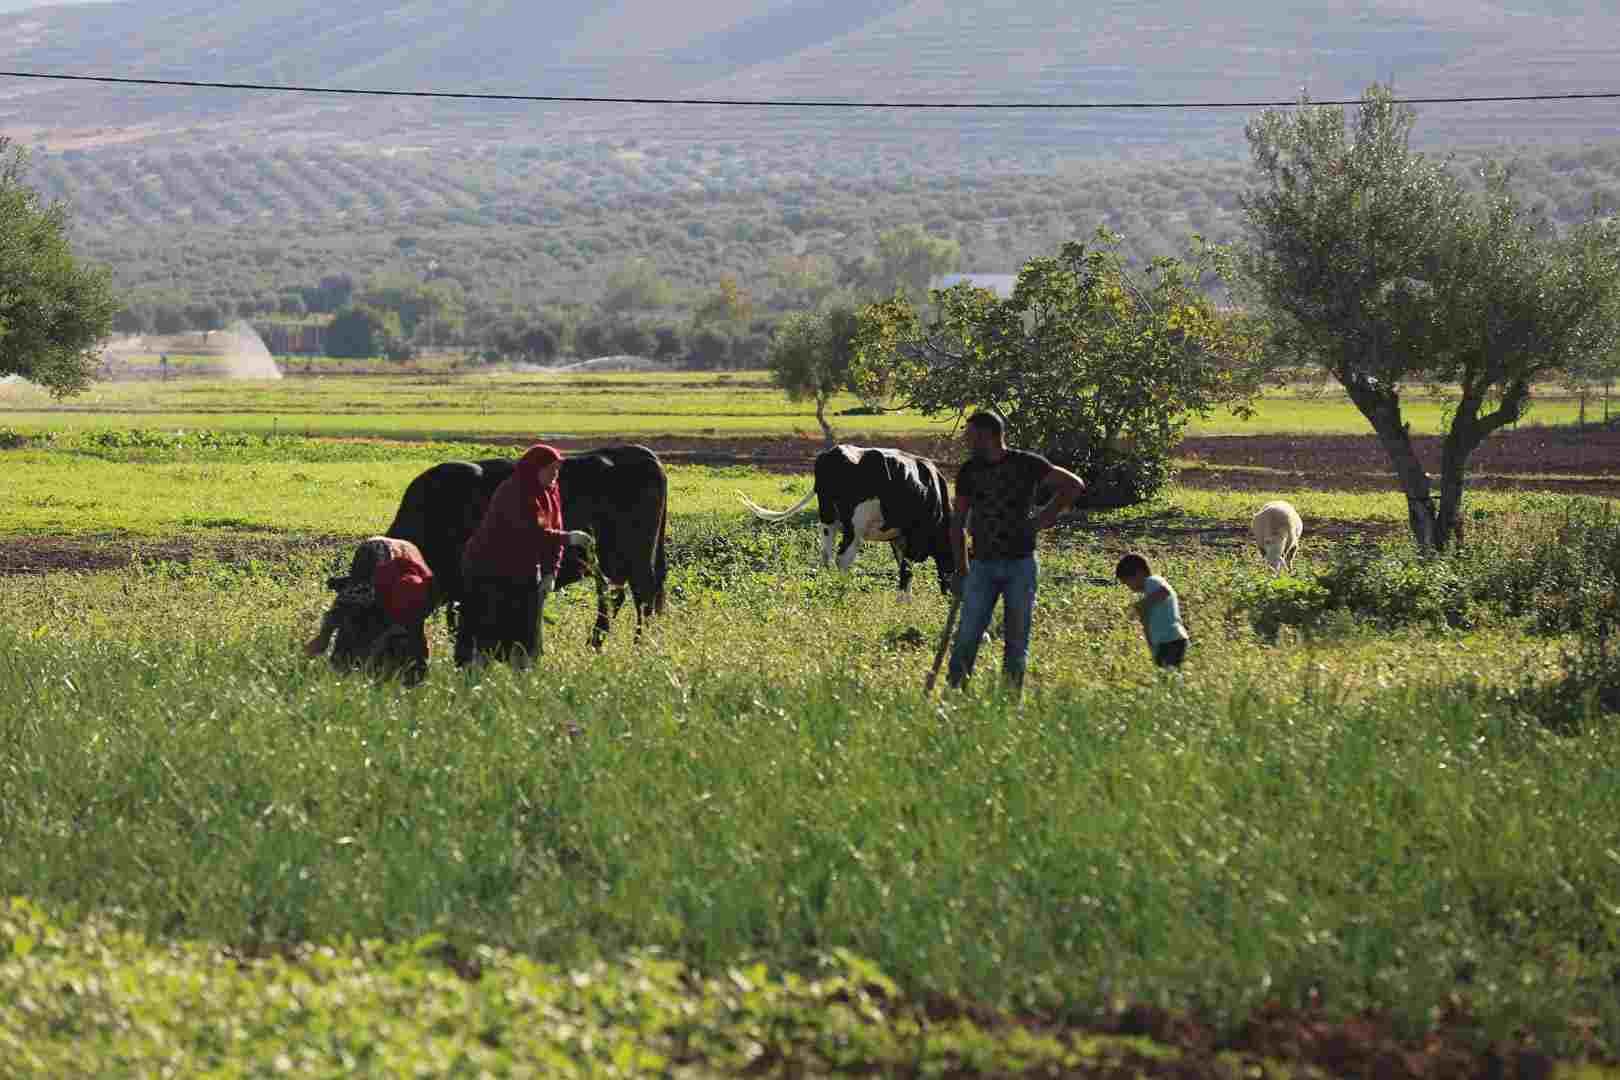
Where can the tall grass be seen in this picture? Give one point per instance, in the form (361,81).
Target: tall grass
(1362,815)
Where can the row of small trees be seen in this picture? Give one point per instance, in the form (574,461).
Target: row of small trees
(1361,258)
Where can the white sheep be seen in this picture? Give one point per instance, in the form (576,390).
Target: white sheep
(1276,529)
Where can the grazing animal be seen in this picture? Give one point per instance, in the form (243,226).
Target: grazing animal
(1276,530)
(875,493)
(620,494)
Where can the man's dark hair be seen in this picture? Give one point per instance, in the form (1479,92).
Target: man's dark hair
(989,420)
(1130,566)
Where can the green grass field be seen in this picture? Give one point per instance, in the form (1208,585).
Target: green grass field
(750,843)
(475,406)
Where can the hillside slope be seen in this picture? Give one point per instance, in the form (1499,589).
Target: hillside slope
(928,50)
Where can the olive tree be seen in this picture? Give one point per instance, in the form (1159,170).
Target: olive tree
(54,310)
(1095,365)
(810,356)
(1374,262)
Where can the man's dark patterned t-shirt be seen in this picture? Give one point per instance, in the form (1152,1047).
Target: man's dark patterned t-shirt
(1001,496)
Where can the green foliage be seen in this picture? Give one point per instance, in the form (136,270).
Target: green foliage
(1561,568)
(728,306)
(54,310)
(1376,263)
(636,286)
(1380,586)
(428,1006)
(362,331)
(810,356)
(1584,696)
(1095,365)
(1376,821)
(1391,588)
(1274,602)
(905,264)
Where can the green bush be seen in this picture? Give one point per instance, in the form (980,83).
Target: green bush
(1398,588)
(1387,587)
(1564,574)
(1275,602)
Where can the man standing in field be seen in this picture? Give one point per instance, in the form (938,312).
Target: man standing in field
(998,484)
(510,563)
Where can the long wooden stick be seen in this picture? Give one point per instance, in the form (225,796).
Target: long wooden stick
(944,642)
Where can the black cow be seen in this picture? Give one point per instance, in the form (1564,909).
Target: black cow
(619,494)
(876,493)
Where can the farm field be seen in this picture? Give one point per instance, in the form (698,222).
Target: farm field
(1382,841)
(521,405)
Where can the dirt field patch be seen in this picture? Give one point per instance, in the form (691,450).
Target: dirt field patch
(50,554)
(1543,459)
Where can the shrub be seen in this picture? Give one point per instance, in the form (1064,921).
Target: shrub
(1388,587)
(1564,572)
(1275,602)
(1398,588)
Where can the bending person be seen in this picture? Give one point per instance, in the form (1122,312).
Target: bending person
(378,616)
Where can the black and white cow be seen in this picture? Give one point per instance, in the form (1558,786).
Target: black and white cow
(877,493)
(620,494)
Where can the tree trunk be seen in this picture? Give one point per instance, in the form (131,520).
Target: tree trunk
(1382,409)
(821,418)
(1460,443)
(1421,513)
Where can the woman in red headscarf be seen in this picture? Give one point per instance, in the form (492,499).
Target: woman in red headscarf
(510,563)
(379,612)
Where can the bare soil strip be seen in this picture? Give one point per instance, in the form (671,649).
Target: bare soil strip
(1539,459)
(87,554)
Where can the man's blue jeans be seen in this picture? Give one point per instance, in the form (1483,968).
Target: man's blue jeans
(987,580)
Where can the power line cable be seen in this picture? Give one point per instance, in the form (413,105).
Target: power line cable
(779,103)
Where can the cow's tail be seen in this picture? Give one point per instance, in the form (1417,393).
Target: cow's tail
(661,560)
(776,515)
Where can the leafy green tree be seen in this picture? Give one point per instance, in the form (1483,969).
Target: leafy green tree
(803,281)
(1583,375)
(708,350)
(636,285)
(430,312)
(1092,364)
(361,332)
(729,306)
(667,342)
(810,356)
(332,293)
(1375,263)
(633,340)
(907,261)
(54,310)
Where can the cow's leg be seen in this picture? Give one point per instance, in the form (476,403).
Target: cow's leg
(829,541)
(864,523)
(848,548)
(905,568)
(604,618)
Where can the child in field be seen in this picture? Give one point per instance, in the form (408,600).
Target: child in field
(1159,609)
